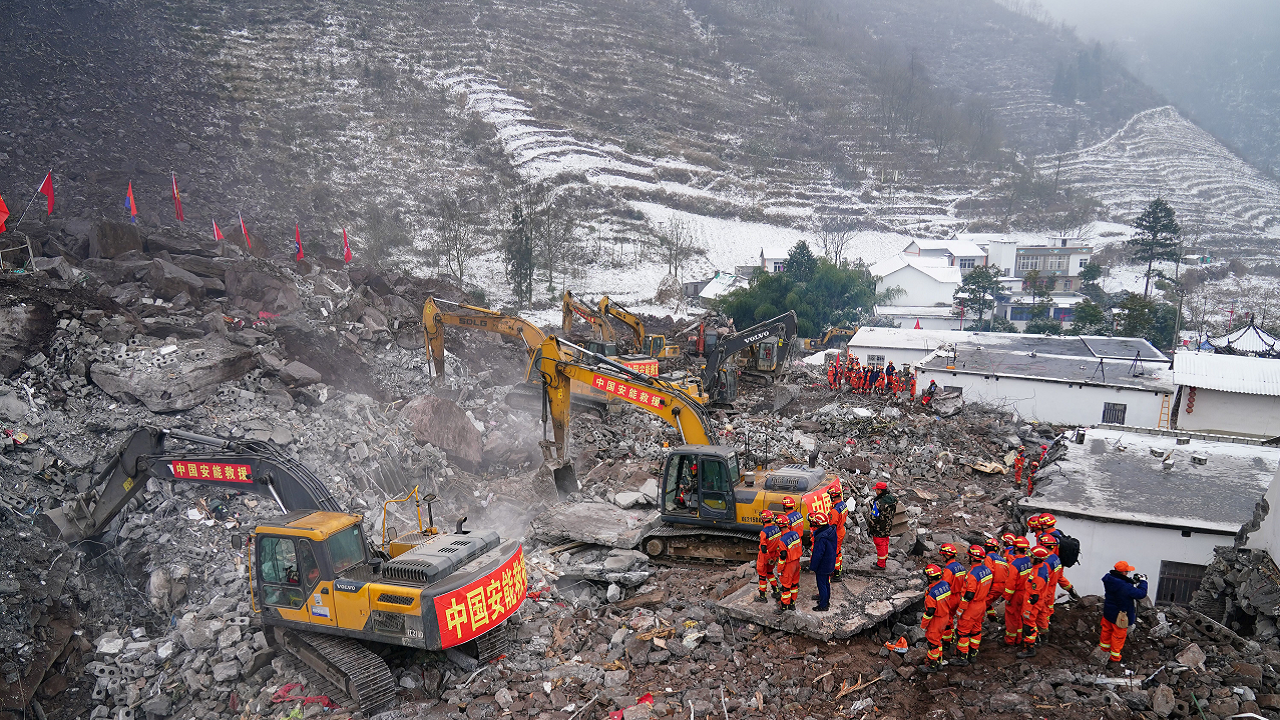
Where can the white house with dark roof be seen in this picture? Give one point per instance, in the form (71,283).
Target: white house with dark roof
(924,280)
(1227,394)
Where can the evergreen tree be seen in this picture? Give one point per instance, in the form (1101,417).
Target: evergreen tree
(1157,238)
(1089,318)
(832,296)
(978,291)
(517,252)
(801,264)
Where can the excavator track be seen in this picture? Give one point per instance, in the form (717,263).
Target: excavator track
(674,545)
(350,666)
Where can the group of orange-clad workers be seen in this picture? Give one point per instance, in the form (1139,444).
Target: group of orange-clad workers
(958,598)
(778,560)
(1021,468)
(848,371)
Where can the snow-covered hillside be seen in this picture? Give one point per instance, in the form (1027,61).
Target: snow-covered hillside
(1160,153)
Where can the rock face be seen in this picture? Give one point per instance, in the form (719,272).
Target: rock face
(178,379)
(440,422)
(168,280)
(111,239)
(20,326)
(299,374)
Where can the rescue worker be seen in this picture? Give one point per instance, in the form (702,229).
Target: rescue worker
(788,564)
(823,560)
(1044,450)
(973,606)
(1019,463)
(1015,591)
(1047,525)
(1118,611)
(1031,477)
(890,377)
(767,557)
(1033,526)
(929,392)
(939,604)
(839,515)
(999,568)
(880,521)
(1038,592)
(1056,580)
(793,516)
(833,370)
(953,571)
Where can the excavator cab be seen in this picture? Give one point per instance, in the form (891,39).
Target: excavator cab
(655,346)
(296,560)
(700,484)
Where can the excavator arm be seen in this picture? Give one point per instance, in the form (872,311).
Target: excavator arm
(783,326)
(246,466)
(600,328)
(433,322)
(654,396)
(609,308)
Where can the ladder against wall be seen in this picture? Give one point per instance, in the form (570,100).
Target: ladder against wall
(1165,410)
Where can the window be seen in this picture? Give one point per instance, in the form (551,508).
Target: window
(715,489)
(1083,262)
(875,361)
(1178,581)
(289,570)
(966,263)
(1019,314)
(1066,283)
(1064,314)
(1114,413)
(346,549)
(1029,262)
(680,485)
(779,267)
(1055,262)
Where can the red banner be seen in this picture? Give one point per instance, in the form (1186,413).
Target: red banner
(627,391)
(211,471)
(482,604)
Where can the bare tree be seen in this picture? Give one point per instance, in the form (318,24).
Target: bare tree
(460,243)
(678,243)
(835,232)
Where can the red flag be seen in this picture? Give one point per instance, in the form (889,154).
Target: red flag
(217,234)
(297,240)
(4,214)
(129,203)
(917,327)
(46,187)
(177,201)
(346,246)
(244,230)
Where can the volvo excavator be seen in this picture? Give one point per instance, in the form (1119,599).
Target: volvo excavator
(323,591)
(768,344)
(710,510)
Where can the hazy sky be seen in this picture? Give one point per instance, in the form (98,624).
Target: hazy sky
(1136,24)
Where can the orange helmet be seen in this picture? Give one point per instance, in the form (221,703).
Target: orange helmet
(1021,543)
(992,545)
(817,518)
(781,520)
(789,503)
(1008,539)
(1033,522)
(766,516)
(933,572)
(947,550)
(1047,540)
(1040,551)
(1047,521)
(834,489)
(977,552)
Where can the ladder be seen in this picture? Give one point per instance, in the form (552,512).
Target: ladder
(1163,422)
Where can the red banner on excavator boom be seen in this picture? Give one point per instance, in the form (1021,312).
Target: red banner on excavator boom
(627,391)
(226,472)
(480,605)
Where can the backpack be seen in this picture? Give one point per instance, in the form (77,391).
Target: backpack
(1068,550)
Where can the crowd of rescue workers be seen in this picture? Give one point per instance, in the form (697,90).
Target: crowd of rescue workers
(958,599)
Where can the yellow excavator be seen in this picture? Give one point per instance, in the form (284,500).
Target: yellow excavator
(833,333)
(710,510)
(604,341)
(325,593)
(654,346)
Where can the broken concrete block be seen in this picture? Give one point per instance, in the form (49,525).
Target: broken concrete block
(168,280)
(628,500)
(299,374)
(227,671)
(649,488)
(1193,657)
(200,366)
(439,422)
(1163,701)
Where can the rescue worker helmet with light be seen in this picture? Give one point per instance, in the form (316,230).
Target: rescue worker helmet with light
(1008,539)
(1047,521)
(782,520)
(1049,541)
(817,518)
(834,490)
(766,516)
(992,544)
(977,552)
(1033,522)
(933,572)
(789,503)
(947,550)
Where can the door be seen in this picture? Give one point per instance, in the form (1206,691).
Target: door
(291,582)
(1114,413)
(715,499)
(680,485)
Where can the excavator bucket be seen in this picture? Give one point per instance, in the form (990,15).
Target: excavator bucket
(555,478)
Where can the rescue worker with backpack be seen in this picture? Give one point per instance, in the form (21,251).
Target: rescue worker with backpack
(939,604)
(1015,591)
(953,571)
(1056,580)
(880,514)
(767,557)
(1038,592)
(973,606)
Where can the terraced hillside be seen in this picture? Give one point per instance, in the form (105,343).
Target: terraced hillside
(1159,152)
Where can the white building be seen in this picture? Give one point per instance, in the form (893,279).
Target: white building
(904,346)
(924,280)
(717,286)
(1122,503)
(1082,380)
(920,317)
(1059,258)
(955,251)
(1228,394)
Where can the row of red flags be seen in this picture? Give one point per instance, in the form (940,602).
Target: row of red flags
(46,187)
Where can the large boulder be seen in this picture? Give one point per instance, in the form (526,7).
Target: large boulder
(23,327)
(168,280)
(440,422)
(172,380)
(112,239)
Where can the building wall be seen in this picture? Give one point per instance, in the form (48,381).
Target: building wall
(1068,404)
(899,356)
(1103,544)
(1267,536)
(920,288)
(1230,413)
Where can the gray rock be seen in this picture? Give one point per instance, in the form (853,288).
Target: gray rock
(110,240)
(229,637)
(299,374)
(628,500)
(12,407)
(158,706)
(1193,657)
(1163,701)
(649,488)
(616,678)
(226,671)
(438,421)
(614,594)
(1009,702)
(202,365)
(168,280)
(21,324)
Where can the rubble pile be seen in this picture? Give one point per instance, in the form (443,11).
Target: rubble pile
(112,331)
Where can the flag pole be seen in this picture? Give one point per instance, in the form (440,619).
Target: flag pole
(33,199)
